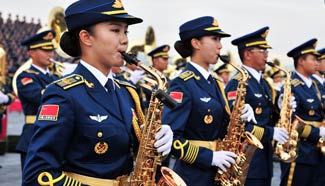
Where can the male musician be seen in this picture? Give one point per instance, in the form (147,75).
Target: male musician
(223,73)
(309,108)
(319,178)
(253,52)
(277,77)
(32,82)
(159,57)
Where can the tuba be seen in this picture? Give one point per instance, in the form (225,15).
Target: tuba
(287,152)
(148,159)
(237,140)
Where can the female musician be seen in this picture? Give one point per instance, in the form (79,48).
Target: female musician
(202,112)
(84,130)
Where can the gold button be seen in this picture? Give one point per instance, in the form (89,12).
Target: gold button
(99,134)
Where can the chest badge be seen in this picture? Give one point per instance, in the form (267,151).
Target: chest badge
(205,99)
(258,110)
(208,119)
(98,118)
(311,112)
(101,147)
(258,95)
(310,100)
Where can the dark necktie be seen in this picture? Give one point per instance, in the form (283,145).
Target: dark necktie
(112,94)
(213,84)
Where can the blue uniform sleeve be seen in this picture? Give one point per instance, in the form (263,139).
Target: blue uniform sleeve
(49,143)
(29,88)
(263,133)
(177,118)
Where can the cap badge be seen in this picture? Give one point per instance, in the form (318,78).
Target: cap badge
(48,36)
(117,4)
(215,22)
(265,33)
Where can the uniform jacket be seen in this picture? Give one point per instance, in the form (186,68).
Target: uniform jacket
(86,135)
(309,107)
(196,101)
(30,84)
(261,98)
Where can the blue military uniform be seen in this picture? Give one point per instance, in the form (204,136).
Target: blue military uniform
(30,84)
(261,97)
(100,136)
(309,108)
(84,133)
(202,113)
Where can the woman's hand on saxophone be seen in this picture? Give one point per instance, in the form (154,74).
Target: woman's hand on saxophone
(3,98)
(247,114)
(223,159)
(280,134)
(164,139)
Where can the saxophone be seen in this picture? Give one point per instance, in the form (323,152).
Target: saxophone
(287,152)
(237,140)
(148,158)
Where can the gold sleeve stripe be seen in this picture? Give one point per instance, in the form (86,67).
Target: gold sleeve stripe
(178,145)
(191,154)
(50,179)
(258,132)
(306,132)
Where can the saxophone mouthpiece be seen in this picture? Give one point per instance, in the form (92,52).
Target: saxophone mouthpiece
(130,58)
(270,64)
(224,58)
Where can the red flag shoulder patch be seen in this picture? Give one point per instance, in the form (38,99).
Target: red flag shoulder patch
(232,95)
(177,96)
(49,112)
(26,80)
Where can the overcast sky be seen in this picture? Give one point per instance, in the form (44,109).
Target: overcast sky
(291,22)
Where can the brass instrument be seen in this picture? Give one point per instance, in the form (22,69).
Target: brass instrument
(3,66)
(321,144)
(287,152)
(57,23)
(148,158)
(237,140)
(56,67)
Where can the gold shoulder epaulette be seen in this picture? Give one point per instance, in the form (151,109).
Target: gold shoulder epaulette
(71,81)
(188,75)
(31,71)
(296,82)
(124,83)
(238,77)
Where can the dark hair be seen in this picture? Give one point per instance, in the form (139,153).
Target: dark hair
(295,60)
(242,51)
(70,41)
(185,48)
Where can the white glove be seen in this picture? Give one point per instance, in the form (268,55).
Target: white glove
(322,132)
(164,140)
(280,135)
(293,103)
(248,114)
(136,76)
(223,159)
(3,98)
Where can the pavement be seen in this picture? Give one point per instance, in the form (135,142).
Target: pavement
(10,173)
